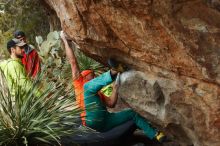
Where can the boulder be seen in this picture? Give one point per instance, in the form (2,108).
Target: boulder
(174,45)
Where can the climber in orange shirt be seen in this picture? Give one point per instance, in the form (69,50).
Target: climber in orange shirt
(79,79)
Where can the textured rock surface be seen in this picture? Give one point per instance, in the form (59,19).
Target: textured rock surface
(173,42)
(185,107)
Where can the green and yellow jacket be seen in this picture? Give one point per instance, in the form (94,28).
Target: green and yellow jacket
(15,75)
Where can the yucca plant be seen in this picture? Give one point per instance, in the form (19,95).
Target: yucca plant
(89,63)
(31,117)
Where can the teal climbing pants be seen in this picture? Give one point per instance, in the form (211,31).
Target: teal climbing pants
(100,119)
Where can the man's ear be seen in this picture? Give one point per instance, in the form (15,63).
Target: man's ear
(12,50)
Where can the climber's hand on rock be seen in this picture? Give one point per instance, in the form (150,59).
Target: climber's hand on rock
(116,84)
(117,80)
(63,35)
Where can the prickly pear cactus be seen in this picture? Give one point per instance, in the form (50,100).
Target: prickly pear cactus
(51,51)
(52,55)
(2,7)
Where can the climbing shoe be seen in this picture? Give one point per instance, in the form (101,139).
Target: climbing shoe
(115,65)
(161,137)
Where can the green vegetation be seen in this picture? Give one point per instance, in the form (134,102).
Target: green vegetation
(53,57)
(27,15)
(51,51)
(88,63)
(27,119)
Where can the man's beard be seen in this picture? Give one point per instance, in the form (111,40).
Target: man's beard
(19,56)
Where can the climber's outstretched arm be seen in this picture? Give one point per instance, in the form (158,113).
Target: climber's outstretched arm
(71,57)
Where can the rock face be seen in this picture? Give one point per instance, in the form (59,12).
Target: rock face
(185,107)
(176,46)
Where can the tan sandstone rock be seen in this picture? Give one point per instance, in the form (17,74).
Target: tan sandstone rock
(176,46)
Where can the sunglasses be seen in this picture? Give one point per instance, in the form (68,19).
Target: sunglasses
(20,38)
